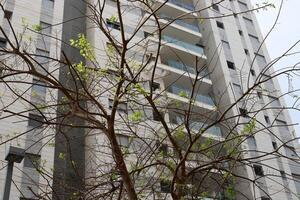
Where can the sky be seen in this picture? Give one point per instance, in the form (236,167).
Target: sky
(285,34)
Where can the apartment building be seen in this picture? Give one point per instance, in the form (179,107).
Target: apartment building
(226,52)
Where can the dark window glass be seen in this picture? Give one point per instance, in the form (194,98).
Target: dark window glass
(252,71)
(259,94)
(35,120)
(258,170)
(164,149)
(165,186)
(147,34)
(215,7)
(283,175)
(155,86)
(32,160)
(267,119)
(156,116)
(220,25)
(113,24)
(274,144)
(230,65)
(246,51)
(240,32)
(7,14)
(2,42)
(243,112)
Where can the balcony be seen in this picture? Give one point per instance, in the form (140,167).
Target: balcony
(181,22)
(179,65)
(184,46)
(177,7)
(197,125)
(198,97)
(188,6)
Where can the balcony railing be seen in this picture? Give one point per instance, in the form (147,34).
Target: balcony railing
(182,4)
(195,125)
(179,65)
(181,22)
(198,97)
(187,25)
(192,47)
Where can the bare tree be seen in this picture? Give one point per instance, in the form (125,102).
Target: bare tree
(129,116)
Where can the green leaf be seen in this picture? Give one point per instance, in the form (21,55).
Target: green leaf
(84,47)
(61,156)
(249,127)
(37,27)
(136,116)
(113,19)
(182,94)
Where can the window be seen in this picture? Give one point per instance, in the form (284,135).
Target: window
(261,60)
(32,160)
(237,90)
(265,198)
(248,21)
(241,32)
(215,7)
(123,140)
(220,25)
(164,150)
(283,175)
(155,86)
(7,14)
(290,151)
(280,122)
(252,72)
(165,186)
(243,6)
(253,37)
(274,101)
(274,144)
(246,51)
(225,44)
(38,89)
(113,24)
(1,69)
(156,116)
(122,107)
(42,59)
(258,170)
(254,41)
(296,178)
(47,6)
(259,94)
(251,142)
(147,34)
(45,28)
(230,65)
(243,112)
(267,119)
(35,120)
(2,42)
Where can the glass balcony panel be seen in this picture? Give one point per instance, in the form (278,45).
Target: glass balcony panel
(191,26)
(180,66)
(187,25)
(214,130)
(182,4)
(185,45)
(198,97)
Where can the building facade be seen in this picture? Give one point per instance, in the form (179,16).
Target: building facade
(218,43)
